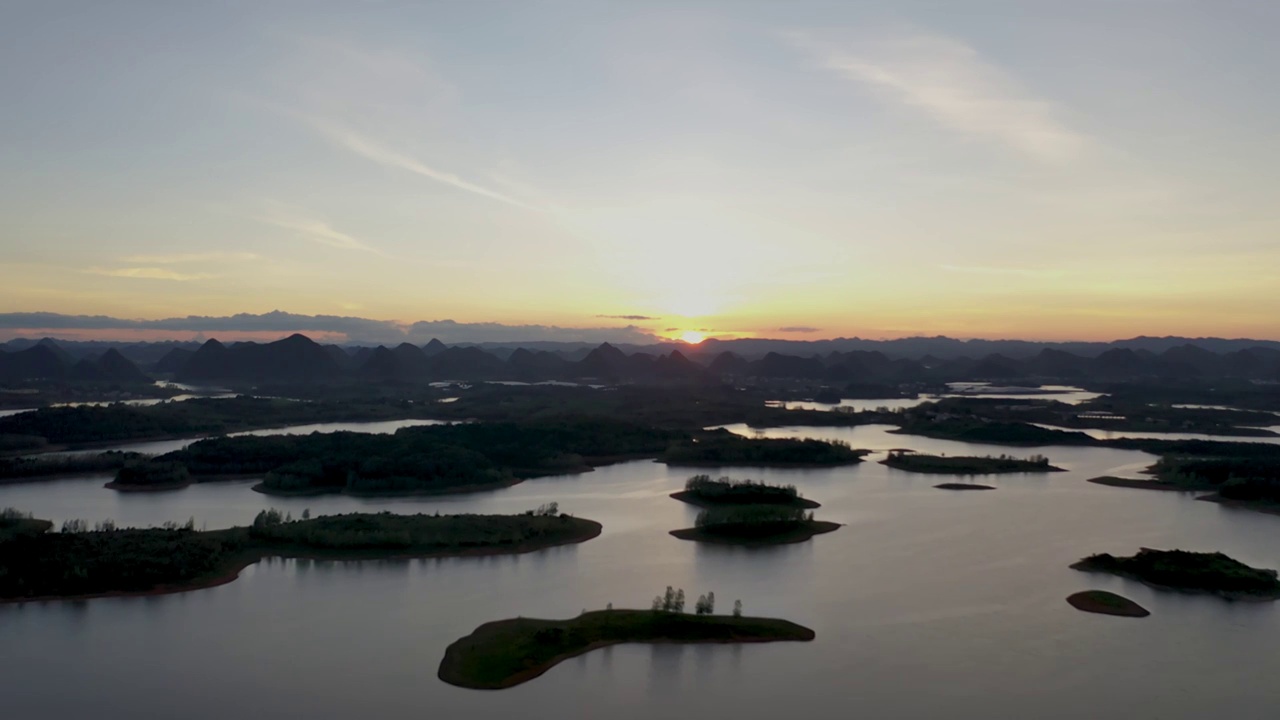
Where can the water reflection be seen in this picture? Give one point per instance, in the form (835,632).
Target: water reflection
(926,604)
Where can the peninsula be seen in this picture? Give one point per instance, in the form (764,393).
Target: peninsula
(82,563)
(1210,573)
(506,653)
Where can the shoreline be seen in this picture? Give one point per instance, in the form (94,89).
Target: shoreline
(687,497)
(1229,595)
(1102,602)
(813,528)
(888,462)
(237,564)
(750,464)
(449,671)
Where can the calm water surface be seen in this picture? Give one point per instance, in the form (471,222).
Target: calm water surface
(927,604)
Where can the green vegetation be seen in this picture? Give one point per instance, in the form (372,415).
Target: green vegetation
(1106,603)
(506,653)
(1240,474)
(14,523)
(1212,573)
(429,459)
(703,491)
(721,447)
(11,443)
(27,468)
(151,474)
(964,465)
(82,425)
(78,562)
(1103,413)
(978,430)
(754,525)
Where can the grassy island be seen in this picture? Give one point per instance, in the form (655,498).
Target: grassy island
(505,653)
(966,465)
(722,448)
(80,563)
(963,486)
(1212,573)
(1106,603)
(702,491)
(755,525)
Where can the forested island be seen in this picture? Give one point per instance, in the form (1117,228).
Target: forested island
(702,491)
(723,448)
(461,457)
(506,653)
(963,486)
(79,562)
(966,465)
(980,430)
(1106,603)
(1212,573)
(755,525)
(27,469)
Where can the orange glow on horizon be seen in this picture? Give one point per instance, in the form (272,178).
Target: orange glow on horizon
(693,337)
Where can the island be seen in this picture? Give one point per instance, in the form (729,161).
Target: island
(420,460)
(506,653)
(1106,603)
(1194,572)
(720,448)
(148,475)
(108,561)
(963,486)
(912,461)
(702,491)
(754,525)
(43,467)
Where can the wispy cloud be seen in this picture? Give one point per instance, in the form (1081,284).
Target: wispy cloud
(184,258)
(312,229)
(147,273)
(994,270)
(955,85)
(799,329)
(629,317)
(371,149)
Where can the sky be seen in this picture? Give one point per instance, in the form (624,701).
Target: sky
(1003,169)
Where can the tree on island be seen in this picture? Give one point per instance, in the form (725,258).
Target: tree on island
(706,604)
(737,608)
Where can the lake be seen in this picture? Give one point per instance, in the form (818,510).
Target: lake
(927,604)
(1061,393)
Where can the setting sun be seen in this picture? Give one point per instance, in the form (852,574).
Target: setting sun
(693,337)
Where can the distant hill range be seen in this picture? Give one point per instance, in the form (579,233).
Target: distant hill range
(298,359)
